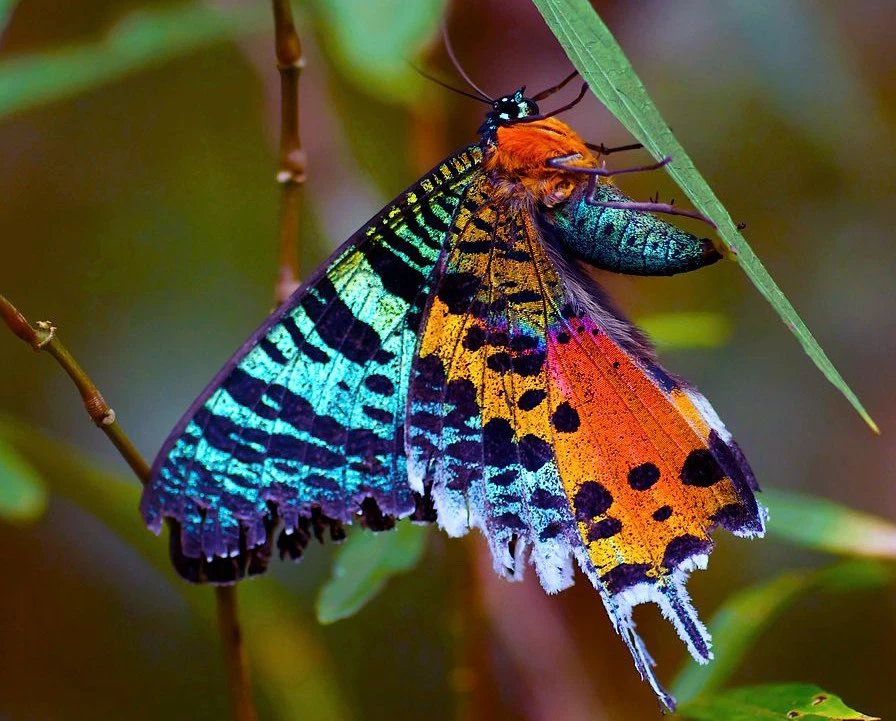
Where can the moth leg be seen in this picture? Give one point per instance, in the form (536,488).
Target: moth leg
(651,207)
(562,163)
(602,149)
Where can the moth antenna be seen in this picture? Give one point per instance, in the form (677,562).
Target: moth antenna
(555,88)
(445,85)
(457,66)
(575,101)
(563,109)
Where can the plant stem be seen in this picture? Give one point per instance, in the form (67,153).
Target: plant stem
(234,654)
(291,169)
(43,337)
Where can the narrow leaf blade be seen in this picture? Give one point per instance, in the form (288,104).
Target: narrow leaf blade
(824,525)
(600,60)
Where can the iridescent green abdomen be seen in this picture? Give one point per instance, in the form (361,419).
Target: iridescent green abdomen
(624,240)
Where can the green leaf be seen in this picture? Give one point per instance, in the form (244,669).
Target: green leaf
(137,41)
(774,702)
(364,564)
(294,670)
(827,526)
(695,329)
(745,615)
(22,495)
(372,42)
(597,56)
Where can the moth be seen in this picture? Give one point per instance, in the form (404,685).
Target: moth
(454,362)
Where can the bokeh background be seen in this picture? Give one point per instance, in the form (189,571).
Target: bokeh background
(138,211)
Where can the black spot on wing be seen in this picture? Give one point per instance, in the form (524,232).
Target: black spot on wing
(565,418)
(498,446)
(523,342)
(505,478)
(525,296)
(535,452)
(474,339)
(510,520)
(481,224)
(701,469)
(379,384)
(684,547)
(662,513)
(499,362)
(544,499)
(530,399)
(378,414)
(643,476)
(625,575)
(591,500)
(457,290)
(529,364)
(604,529)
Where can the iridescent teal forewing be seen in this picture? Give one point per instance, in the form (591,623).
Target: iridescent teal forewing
(305,424)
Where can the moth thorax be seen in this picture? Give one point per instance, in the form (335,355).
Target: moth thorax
(519,159)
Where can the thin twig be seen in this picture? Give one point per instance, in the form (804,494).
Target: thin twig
(44,337)
(291,170)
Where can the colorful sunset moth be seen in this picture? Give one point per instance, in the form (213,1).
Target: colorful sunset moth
(453,362)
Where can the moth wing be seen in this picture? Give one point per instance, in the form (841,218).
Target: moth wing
(304,424)
(539,415)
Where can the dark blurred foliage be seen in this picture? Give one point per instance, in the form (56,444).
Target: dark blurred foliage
(141,217)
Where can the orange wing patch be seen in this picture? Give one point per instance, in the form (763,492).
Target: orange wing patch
(647,497)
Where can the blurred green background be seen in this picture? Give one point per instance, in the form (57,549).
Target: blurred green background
(138,211)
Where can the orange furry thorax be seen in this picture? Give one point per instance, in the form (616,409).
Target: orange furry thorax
(517,161)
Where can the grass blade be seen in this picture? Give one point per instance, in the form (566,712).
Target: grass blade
(597,56)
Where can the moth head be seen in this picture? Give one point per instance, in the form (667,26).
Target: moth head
(513,107)
(508,109)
